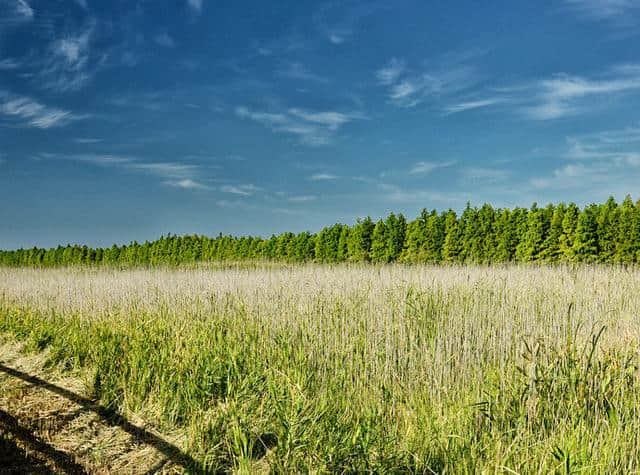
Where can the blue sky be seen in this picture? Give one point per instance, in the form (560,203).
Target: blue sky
(129,119)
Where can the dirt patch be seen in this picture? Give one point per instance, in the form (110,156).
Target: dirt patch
(48,425)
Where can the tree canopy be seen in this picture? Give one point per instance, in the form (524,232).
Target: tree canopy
(608,233)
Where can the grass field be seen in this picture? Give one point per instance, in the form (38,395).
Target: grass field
(353,369)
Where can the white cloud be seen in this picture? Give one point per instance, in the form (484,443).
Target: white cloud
(8,64)
(408,89)
(87,140)
(562,95)
(336,38)
(311,127)
(175,174)
(163,39)
(421,168)
(603,163)
(331,119)
(34,114)
(15,12)
(243,190)
(302,198)
(426,198)
(70,64)
(558,96)
(604,9)
(613,147)
(390,73)
(474,104)
(186,183)
(322,177)
(195,5)
(24,9)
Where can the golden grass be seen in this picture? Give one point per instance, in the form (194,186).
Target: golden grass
(351,368)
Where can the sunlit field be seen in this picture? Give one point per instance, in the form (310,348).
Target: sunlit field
(325,369)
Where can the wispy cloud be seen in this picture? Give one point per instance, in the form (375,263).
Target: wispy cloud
(15,12)
(243,190)
(561,95)
(602,162)
(426,198)
(391,72)
(70,64)
(338,37)
(565,95)
(195,5)
(311,127)
(423,168)
(302,198)
(186,183)
(87,140)
(31,113)
(175,174)
(23,8)
(9,64)
(613,147)
(599,10)
(294,70)
(322,177)
(473,104)
(407,88)
(163,39)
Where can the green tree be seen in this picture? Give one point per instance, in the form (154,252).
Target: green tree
(452,248)
(379,243)
(360,240)
(585,245)
(568,237)
(626,242)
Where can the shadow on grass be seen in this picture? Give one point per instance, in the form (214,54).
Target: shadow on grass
(14,460)
(170,451)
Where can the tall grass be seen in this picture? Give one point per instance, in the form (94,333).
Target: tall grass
(353,369)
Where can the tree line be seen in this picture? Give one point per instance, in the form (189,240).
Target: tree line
(608,233)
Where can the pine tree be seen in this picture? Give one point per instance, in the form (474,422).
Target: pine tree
(379,243)
(626,245)
(343,244)
(506,236)
(396,233)
(434,235)
(608,221)
(585,245)
(360,240)
(452,249)
(569,225)
(552,251)
(487,242)
(415,237)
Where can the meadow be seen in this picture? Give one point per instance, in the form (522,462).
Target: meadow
(354,368)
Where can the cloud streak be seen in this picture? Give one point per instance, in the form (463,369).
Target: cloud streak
(559,96)
(242,190)
(407,89)
(312,128)
(323,177)
(174,174)
(601,10)
(31,113)
(70,64)
(426,167)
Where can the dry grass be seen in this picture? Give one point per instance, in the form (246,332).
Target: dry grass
(320,368)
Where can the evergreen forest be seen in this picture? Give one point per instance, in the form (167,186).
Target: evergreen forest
(605,233)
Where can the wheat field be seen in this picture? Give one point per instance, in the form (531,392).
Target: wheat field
(344,369)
